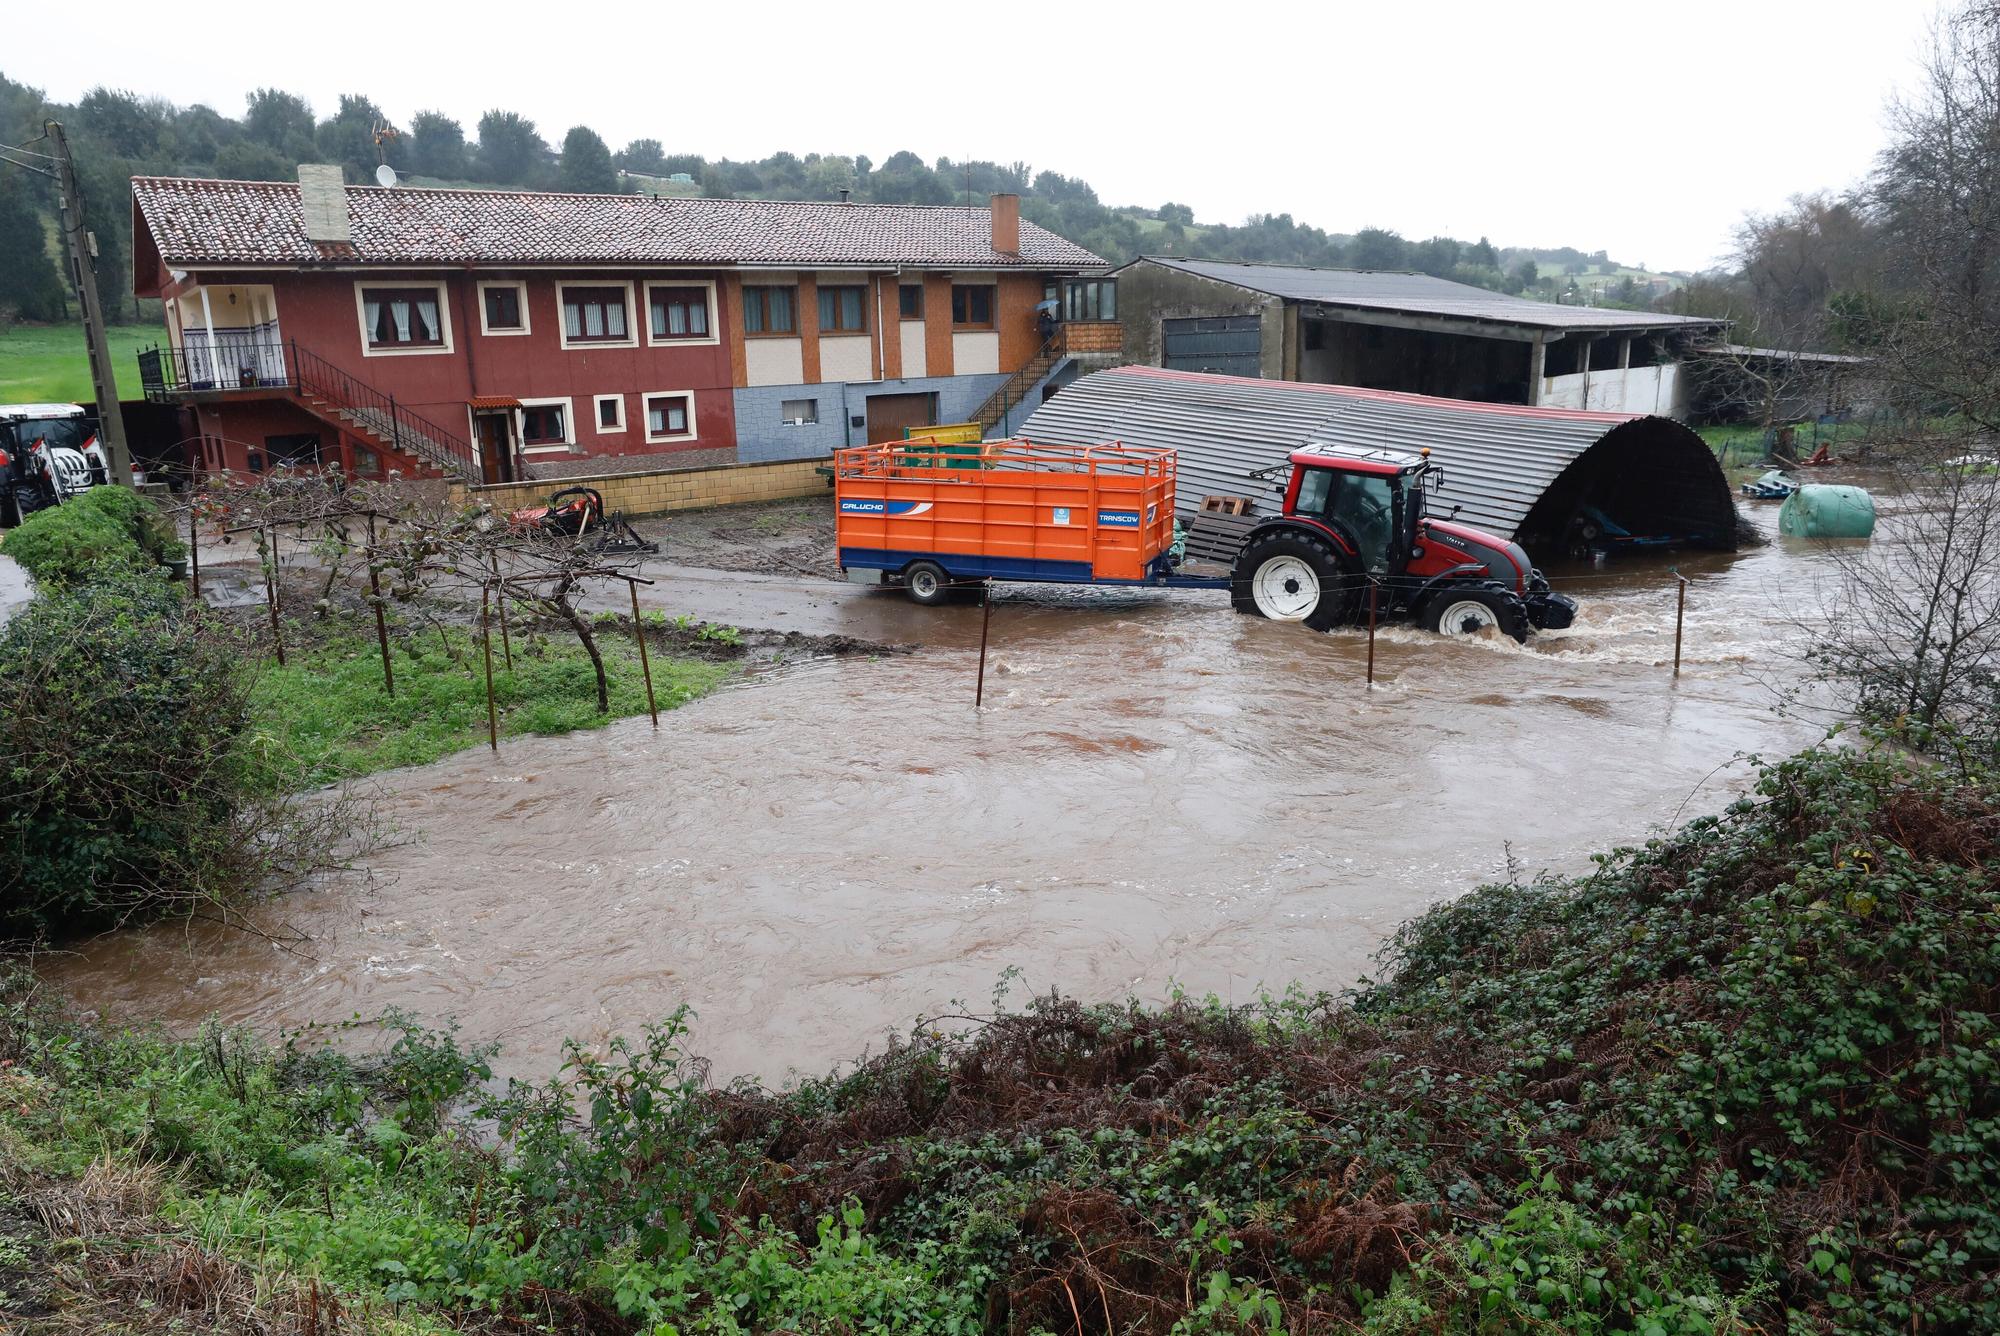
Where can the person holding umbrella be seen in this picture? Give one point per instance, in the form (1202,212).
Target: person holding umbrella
(1045,321)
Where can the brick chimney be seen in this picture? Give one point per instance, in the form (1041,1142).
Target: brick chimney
(1007,224)
(323,198)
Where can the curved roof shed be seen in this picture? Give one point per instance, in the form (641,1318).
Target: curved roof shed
(1524,473)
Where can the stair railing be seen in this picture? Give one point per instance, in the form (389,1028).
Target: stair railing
(1014,389)
(405,431)
(196,368)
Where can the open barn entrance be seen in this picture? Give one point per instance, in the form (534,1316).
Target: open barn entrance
(1648,482)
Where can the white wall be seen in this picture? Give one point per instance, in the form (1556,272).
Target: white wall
(1639,389)
(915,358)
(769,361)
(976,353)
(844,357)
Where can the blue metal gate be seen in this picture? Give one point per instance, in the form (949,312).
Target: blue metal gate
(1229,345)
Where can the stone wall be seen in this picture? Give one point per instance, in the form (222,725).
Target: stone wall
(633,494)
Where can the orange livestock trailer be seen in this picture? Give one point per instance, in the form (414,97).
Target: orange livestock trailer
(928,515)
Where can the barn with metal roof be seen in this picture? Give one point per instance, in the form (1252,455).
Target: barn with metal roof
(1403,331)
(1552,479)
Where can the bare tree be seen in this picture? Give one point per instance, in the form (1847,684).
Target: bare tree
(1913,638)
(1937,192)
(454,555)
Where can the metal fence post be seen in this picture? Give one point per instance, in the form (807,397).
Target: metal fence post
(1371,635)
(271,590)
(645,663)
(375,599)
(985,624)
(486,639)
(1680,615)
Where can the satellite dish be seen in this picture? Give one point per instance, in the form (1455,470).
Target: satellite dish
(385,175)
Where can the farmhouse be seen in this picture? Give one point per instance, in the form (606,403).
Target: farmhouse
(500,335)
(1402,331)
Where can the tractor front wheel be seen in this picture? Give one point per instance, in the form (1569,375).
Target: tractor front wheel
(1471,612)
(1292,577)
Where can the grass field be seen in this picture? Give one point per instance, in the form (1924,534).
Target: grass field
(324,717)
(48,363)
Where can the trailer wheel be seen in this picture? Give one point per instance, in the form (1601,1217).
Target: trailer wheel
(927,582)
(1471,612)
(1294,577)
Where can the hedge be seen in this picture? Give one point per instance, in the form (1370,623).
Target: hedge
(112,525)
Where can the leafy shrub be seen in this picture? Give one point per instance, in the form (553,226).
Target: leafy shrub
(113,525)
(643,1113)
(120,790)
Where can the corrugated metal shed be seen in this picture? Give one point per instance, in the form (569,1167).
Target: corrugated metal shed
(1501,461)
(1417,294)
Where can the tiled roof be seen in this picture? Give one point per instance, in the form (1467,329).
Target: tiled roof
(1416,294)
(196,221)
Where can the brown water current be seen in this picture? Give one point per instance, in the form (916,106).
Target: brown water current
(1158,793)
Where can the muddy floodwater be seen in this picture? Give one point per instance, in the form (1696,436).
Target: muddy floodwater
(1157,793)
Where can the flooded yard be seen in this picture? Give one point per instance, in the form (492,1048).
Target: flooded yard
(1157,794)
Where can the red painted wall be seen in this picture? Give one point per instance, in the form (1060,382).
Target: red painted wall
(320,312)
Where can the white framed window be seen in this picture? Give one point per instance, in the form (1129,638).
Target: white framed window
(608,412)
(402,317)
(669,416)
(597,315)
(681,313)
(503,306)
(799,412)
(546,426)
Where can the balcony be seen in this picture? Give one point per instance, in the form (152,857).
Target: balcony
(204,371)
(199,367)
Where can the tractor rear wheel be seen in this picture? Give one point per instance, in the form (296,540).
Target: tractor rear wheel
(1471,612)
(927,582)
(1294,577)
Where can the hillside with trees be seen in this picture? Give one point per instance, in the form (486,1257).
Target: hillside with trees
(118,134)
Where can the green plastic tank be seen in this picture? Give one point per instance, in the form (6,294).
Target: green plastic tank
(1821,510)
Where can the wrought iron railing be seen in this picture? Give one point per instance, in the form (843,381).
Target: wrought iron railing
(196,368)
(1008,397)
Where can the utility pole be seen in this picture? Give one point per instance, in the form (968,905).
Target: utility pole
(82,248)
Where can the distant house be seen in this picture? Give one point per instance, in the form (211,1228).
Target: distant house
(1403,331)
(499,334)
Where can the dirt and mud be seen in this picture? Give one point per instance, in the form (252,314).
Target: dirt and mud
(1158,794)
(779,538)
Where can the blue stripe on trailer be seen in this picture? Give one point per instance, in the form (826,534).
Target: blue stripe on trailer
(864,506)
(967,567)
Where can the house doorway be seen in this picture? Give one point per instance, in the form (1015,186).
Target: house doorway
(494,430)
(890,414)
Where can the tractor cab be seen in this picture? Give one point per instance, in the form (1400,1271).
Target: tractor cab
(1373,499)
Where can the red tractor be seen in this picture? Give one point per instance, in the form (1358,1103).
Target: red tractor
(1355,517)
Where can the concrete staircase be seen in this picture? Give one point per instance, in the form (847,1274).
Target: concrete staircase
(404,444)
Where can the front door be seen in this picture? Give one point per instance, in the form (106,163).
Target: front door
(496,444)
(890,414)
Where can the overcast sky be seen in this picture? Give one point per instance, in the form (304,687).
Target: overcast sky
(1644,129)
